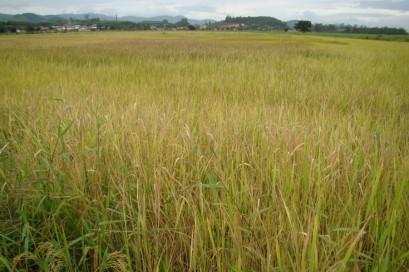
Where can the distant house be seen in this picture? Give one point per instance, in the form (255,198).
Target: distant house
(204,27)
(69,28)
(83,29)
(229,26)
(57,28)
(94,27)
(45,29)
(72,28)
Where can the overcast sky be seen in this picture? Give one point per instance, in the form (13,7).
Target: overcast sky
(372,12)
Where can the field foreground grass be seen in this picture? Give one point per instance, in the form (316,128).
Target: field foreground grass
(203,152)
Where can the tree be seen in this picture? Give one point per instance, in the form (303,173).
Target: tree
(30,29)
(183,23)
(303,26)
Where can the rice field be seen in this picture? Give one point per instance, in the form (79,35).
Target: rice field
(178,151)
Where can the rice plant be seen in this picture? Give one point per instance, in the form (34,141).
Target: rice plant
(181,151)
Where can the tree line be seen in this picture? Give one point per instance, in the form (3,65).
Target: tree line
(307,26)
(13,26)
(261,23)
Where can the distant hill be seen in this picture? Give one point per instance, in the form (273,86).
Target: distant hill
(5,17)
(170,19)
(35,19)
(292,23)
(85,16)
(30,18)
(256,23)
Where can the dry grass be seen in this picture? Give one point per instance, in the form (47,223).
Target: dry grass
(203,152)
